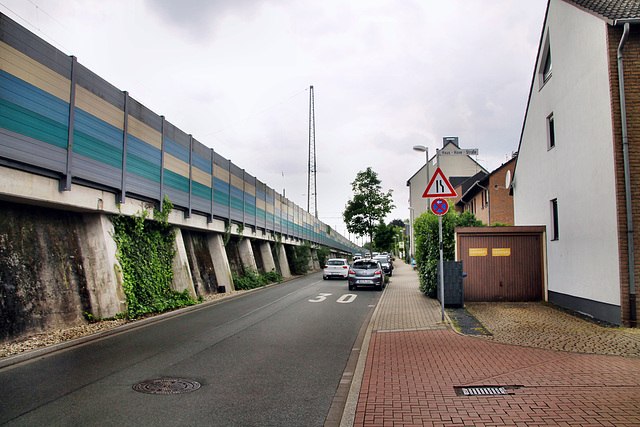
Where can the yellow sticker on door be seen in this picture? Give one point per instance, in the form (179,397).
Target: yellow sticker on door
(501,252)
(477,251)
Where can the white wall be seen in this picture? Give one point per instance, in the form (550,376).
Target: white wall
(579,170)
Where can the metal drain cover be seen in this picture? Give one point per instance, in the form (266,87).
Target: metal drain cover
(166,386)
(488,390)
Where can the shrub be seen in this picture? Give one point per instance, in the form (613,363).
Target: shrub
(251,279)
(427,238)
(299,257)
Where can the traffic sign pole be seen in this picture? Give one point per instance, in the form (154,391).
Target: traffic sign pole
(441,274)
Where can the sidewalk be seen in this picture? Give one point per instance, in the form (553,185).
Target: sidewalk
(416,366)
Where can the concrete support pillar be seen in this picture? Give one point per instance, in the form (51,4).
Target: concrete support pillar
(181,271)
(220,261)
(102,269)
(267,256)
(314,264)
(282,260)
(246,255)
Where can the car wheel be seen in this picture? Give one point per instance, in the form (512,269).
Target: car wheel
(352,287)
(324,277)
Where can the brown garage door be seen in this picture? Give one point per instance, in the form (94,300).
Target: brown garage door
(502,263)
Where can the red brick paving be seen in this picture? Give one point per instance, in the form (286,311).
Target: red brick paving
(409,380)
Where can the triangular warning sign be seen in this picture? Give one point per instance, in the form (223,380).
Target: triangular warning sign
(439,186)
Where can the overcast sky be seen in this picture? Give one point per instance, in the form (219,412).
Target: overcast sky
(387,75)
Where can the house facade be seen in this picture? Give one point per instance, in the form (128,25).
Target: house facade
(488,198)
(570,173)
(456,168)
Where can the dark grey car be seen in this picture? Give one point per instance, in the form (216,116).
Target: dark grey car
(384,261)
(366,272)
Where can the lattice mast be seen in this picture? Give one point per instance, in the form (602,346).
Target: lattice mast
(312,193)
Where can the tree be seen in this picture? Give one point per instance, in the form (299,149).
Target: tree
(398,223)
(385,237)
(369,204)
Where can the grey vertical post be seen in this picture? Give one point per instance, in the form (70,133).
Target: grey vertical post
(188,212)
(162,164)
(210,219)
(441,263)
(229,210)
(125,131)
(65,183)
(244,196)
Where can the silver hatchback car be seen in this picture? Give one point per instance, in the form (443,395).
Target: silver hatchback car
(366,272)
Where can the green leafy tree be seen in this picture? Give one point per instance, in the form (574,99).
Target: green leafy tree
(384,238)
(398,223)
(427,238)
(369,205)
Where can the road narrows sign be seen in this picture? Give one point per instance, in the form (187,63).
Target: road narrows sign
(439,186)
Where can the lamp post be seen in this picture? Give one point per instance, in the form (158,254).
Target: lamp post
(426,151)
(441,263)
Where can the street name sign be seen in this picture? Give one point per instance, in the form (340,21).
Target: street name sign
(439,186)
(461,152)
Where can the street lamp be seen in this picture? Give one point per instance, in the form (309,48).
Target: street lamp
(424,149)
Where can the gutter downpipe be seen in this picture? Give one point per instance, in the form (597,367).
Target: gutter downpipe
(627,180)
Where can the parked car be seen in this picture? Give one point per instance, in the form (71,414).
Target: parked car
(336,267)
(386,264)
(366,272)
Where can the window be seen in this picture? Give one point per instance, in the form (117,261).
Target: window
(546,67)
(555,235)
(551,132)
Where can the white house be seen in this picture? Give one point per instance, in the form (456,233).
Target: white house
(570,172)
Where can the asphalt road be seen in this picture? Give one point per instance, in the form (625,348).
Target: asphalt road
(274,357)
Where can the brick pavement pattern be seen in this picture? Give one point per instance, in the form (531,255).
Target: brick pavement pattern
(411,371)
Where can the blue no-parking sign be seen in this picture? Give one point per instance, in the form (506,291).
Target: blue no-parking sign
(439,206)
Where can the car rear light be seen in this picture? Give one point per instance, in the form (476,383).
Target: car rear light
(352,272)
(345,266)
(325,266)
(378,272)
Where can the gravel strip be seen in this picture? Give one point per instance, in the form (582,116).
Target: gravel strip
(45,339)
(543,325)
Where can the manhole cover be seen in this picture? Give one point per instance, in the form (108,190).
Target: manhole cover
(485,390)
(166,386)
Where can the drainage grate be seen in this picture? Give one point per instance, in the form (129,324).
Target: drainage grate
(166,386)
(489,390)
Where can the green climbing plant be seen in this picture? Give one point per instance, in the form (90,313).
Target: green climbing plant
(146,252)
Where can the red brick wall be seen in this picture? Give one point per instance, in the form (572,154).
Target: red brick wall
(631,56)
(500,200)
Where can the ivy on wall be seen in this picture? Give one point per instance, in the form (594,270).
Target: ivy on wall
(146,252)
(299,257)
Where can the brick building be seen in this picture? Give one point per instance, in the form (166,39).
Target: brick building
(578,166)
(488,198)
